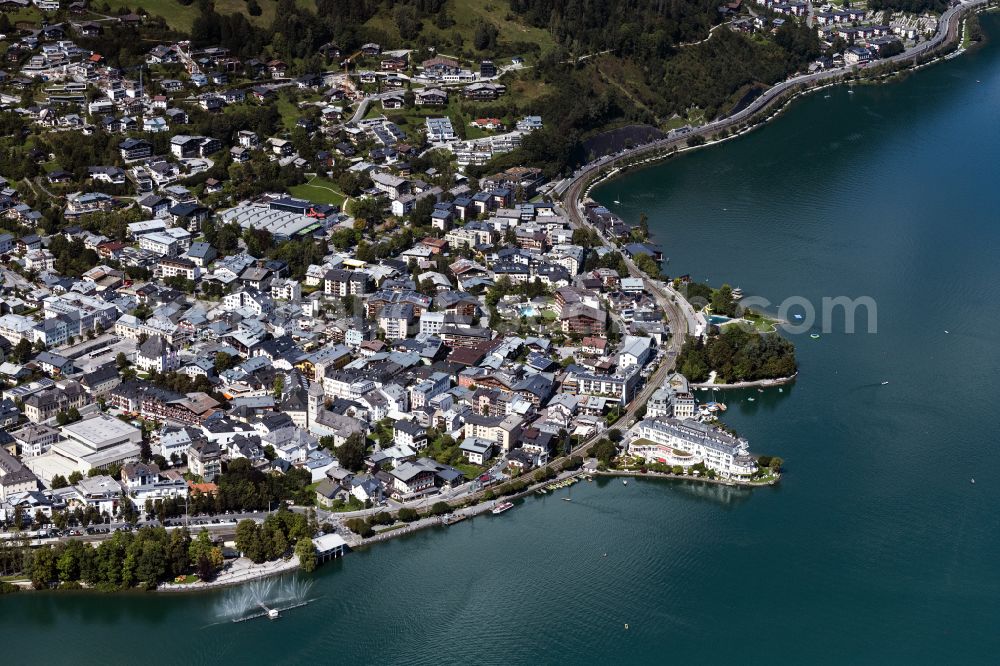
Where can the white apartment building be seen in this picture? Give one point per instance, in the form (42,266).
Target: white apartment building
(688,443)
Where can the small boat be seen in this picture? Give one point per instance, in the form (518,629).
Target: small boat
(972,480)
(503,506)
(884,383)
(946,331)
(751,399)
(814,336)
(624,482)
(850,92)
(272,614)
(567,499)
(797,316)
(781,390)
(617,202)
(760,390)
(626,625)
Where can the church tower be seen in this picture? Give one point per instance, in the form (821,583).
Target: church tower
(316,397)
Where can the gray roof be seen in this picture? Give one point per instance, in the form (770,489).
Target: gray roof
(297,401)
(410,470)
(476,445)
(200,250)
(12,471)
(154,347)
(327,488)
(700,433)
(410,428)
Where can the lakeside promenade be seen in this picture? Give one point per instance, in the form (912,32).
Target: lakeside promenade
(684,477)
(240,571)
(244,571)
(757,383)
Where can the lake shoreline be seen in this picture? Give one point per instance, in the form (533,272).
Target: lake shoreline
(756,383)
(231,578)
(460,515)
(776,106)
(684,477)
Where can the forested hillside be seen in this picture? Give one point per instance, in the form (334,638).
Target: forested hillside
(645,29)
(913,6)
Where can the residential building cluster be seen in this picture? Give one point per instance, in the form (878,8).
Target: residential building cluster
(479,349)
(421,349)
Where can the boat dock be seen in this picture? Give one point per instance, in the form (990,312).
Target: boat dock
(557,485)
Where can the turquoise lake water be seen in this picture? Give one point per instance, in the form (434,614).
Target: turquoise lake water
(875,547)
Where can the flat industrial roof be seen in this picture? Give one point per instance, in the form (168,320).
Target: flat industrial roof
(113,454)
(278,222)
(101,428)
(49,464)
(78,454)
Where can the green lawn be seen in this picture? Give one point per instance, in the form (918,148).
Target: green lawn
(319,190)
(696,116)
(673,123)
(469,470)
(412,120)
(181,17)
(32,14)
(288,110)
(527,89)
(466,14)
(472,132)
(762,323)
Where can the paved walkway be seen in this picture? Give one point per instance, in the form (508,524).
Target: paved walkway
(759,383)
(240,571)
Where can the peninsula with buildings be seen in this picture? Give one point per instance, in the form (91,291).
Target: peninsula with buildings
(263,299)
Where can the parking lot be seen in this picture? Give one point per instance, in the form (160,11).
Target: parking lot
(94,353)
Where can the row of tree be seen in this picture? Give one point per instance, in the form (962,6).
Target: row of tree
(279,532)
(128,559)
(365,527)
